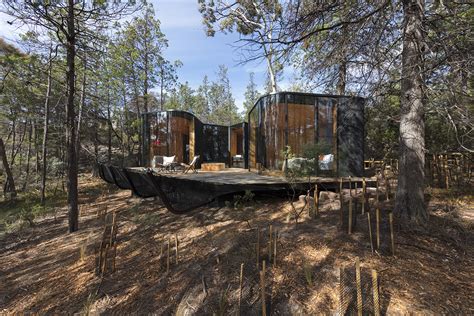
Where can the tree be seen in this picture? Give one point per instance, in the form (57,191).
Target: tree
(257,19)
(63,20)
(222,104)
(251,95)
(410,202)
(45,126)
(203,99)
(9,187)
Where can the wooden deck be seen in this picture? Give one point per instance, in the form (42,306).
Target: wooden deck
(243,177)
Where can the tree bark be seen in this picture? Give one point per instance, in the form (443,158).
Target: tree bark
(109,130)
(410,204)
(10,183)
(72,169)
(45,129)
(28,157)
(341,82)
(81,107)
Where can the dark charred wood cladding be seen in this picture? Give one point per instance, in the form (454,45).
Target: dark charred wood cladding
(288,121)
(181,134)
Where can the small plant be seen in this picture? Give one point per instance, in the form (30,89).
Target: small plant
(241,201)
(223,303)
(308,273)
(86,309)
(30,212)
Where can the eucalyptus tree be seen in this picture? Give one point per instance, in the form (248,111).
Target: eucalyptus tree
(302,20)
(256,20)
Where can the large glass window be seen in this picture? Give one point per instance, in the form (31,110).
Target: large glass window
(273,131)
(327,122)
(301,126)
(253,126)
(180,126)
(215,143)
(159,135)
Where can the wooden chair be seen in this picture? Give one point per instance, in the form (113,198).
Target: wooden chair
(191,166)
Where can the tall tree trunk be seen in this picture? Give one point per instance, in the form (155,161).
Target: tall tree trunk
(72,169)
(37,153)
(28,157)
(138,120)
(45,129)
(9,187)
(81,107)
(12,153)
(162,73)
(146,49)
(409,202)
(109,130)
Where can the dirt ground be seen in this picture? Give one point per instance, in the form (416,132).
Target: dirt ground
(43,269)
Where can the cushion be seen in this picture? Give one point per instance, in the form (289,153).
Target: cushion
(325,163)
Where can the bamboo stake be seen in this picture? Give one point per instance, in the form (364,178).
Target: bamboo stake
(446,172)
(350,186)
(377,191)
(258,246)
(375,291)
(370,232)
(377,227)
(168,258)
(359,288)
(390,216)
(364,194)
(341,215)
(262,288)
(341,293)
(275,240)
(112,229)
(316,201)
(309,204)
(270,244)
(350,215)
(356,196)
(240,284)
(176,246)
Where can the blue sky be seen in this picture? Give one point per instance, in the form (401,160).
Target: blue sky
(201,55)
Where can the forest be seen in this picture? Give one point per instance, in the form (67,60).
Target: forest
(77,80)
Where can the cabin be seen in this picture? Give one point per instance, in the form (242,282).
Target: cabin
(181,134)
(290,121)
(278,123)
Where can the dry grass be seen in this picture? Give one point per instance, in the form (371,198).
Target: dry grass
(45,269)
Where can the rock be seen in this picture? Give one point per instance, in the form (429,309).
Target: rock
(327,196)
(249,209)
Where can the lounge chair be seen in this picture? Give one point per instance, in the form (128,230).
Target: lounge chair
(191,166)
(164,163)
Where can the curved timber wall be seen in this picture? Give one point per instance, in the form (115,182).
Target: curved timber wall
(299,120)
